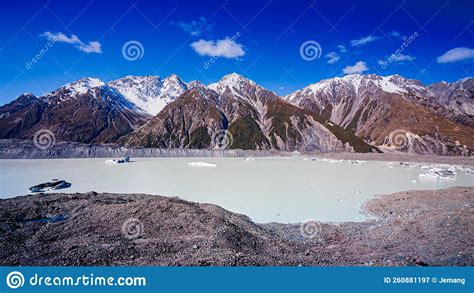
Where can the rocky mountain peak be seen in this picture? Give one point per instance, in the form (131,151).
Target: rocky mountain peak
(173,78)
(150,92)
(82,85)
(26,98)
(173,86)
(195,84)
(233,82)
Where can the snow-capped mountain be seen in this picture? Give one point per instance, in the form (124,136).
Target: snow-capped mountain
(82,85)
(373,107)
(235,83)
(84,111)
(150,93)
(456,100)
(338,114)
(93,87)
(254,117)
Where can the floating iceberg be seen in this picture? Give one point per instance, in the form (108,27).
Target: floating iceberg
(438,173)
(467,170)
(201,164)
(332,160)
(425,167)
(118,161)
(249,159)
(55,184)
(389,164)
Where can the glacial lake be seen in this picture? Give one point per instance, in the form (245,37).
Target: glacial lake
(286,190)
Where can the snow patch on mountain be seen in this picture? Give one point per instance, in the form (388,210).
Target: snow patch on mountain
(83,85)
(150,93)
(234,82)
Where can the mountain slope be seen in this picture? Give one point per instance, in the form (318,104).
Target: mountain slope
(375,107)
(251,116)
(150,93)
(456,100)
(20,115)
(339,114)
(83,111)
(186,122)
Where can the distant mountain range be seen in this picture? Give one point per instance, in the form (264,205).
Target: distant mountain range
(360,113)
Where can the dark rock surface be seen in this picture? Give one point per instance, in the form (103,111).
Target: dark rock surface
(412,228)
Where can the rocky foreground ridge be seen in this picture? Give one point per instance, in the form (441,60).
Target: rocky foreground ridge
(426,228)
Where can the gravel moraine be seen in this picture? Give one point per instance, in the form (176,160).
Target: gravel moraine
(409,228)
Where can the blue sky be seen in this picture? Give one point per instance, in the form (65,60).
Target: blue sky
(45,44)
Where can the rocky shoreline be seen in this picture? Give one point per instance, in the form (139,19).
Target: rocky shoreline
(409,228)
(25,149)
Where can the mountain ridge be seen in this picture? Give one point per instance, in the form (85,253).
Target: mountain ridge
(368,106)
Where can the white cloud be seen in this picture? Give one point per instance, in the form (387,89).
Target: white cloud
(364,40)
(226,48)
(359,67)
(342,48)
(402,57)
(195,27)
(333,57)
(395,34)
(456,54)
(91,47)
